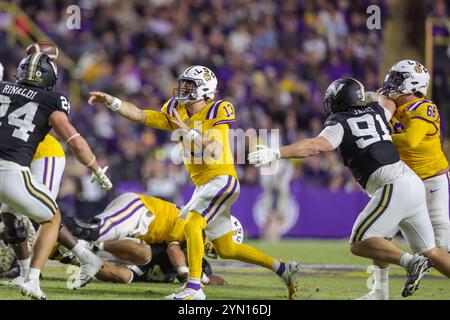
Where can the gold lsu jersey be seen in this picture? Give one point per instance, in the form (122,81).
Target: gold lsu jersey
(49,147)
(416,134)
(166,226)
(212,121)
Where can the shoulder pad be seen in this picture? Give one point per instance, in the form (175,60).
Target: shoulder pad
(222,112)
(424,109)
(331,120)
(62,102)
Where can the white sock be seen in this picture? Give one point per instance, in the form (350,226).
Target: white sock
(34,274)
(406,259)
(81,253)
(381,277)
(24,266)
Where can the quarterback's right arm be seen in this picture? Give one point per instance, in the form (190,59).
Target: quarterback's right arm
(328,140)
(80,147)
(130,111)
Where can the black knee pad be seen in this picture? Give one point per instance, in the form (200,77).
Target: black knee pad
(16,231)
(89,231)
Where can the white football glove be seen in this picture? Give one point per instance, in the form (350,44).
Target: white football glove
(263,155)
(371,96)
(101,179)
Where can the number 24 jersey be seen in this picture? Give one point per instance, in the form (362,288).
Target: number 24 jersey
(24,119)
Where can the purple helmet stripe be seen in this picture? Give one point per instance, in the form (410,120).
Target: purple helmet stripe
(205,212)
(223,201)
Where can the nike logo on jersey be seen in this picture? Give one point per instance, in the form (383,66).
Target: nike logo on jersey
(433,191)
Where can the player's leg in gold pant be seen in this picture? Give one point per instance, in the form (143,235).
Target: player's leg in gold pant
(193,230)
(228,249)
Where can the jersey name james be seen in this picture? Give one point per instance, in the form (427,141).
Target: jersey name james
(366,143)
(24,119)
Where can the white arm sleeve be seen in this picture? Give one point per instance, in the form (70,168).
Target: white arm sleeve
(334,134)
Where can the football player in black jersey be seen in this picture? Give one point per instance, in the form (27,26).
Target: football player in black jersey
(397,194)
(28,110)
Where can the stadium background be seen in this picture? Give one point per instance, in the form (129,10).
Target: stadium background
(273,60)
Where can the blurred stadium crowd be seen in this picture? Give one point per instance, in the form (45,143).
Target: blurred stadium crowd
(273,60)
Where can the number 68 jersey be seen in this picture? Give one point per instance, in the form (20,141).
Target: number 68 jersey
(24,119)
(416,134)
(363,139)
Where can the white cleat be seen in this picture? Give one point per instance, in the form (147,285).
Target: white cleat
(187,294)
(31,289)
(289,277)
(16,282)
(374,295)
(87,271)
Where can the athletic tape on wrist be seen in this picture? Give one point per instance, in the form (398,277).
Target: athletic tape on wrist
(91,163)
(115,104)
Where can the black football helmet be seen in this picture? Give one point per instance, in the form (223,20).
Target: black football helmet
(37,70)
(344,94)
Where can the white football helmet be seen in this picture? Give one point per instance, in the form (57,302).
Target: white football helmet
(195,83)
(236,230)
(1,71)
(406,77)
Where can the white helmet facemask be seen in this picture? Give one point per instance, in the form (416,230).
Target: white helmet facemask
(195,83)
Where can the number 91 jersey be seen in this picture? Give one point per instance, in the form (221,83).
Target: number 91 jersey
(366,143)
(24,119)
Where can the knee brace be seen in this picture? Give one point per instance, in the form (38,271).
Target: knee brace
(16,231)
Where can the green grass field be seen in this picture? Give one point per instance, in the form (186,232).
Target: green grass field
(330,272)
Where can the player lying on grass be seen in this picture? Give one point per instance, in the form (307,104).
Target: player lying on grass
(416,134)
(128,230)
(397,194)
(202,124)
(29,110)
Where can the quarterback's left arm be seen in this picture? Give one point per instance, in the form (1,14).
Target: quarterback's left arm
(126,109)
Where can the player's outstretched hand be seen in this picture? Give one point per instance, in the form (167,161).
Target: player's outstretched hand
(99,97)
(101,179)
(263,155)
